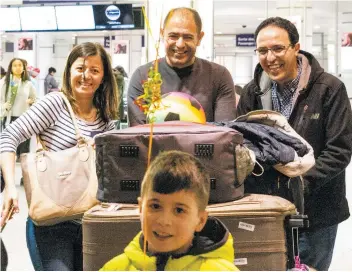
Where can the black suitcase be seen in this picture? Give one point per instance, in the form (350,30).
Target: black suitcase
(122,158)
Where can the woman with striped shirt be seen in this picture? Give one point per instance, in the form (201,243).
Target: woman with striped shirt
(89,85)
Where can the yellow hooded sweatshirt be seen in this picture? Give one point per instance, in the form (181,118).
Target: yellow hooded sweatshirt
(212,250)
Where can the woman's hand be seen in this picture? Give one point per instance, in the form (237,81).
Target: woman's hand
(30,101)
(10,195)
(7,106)
(10,199)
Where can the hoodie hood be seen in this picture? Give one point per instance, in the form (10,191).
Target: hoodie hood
(214,241)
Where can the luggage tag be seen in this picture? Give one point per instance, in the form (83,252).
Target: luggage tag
(110,207)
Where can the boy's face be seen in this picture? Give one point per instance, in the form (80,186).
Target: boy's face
(170,220)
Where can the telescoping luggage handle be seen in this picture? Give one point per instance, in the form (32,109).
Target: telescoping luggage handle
(293,223)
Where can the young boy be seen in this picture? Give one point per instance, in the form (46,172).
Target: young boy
(179,235)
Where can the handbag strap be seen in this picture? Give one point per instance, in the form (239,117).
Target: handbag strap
(73,117)
(79,137)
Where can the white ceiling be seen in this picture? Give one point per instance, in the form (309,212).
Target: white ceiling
(231,15)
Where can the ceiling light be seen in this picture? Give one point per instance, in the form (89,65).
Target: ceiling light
(218,32)
(317,27)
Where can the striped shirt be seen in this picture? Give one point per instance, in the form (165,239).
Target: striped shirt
(51,120)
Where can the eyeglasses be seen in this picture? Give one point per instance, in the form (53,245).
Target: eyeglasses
(277,50)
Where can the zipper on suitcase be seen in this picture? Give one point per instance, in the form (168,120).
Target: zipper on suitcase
(212,183)
(236,181)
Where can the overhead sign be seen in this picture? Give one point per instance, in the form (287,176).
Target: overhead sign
(113,16)
(245,40)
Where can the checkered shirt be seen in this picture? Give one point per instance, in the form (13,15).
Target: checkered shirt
(282,101)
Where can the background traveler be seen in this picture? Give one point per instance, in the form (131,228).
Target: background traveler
(121,77)
(50,83)
(17,95)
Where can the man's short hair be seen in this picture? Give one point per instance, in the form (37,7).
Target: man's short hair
(281,23)
(52,69)
(196,17)
(173,171)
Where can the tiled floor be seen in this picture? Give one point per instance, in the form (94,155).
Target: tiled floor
(15,239)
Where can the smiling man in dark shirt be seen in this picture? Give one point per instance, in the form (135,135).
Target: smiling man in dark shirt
(211,84)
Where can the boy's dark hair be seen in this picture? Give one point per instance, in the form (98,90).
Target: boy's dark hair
(173,171)
(51,69)
(196,17)
(281,23)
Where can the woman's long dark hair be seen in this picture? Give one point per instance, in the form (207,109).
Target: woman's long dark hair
(24,76)
(105,98)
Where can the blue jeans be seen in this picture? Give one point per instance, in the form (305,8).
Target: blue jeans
(55,248)
(316,247)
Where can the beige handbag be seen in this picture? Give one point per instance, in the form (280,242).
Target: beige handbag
(61,185)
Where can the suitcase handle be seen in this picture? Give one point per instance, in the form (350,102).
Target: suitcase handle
(293,223)
(298,221)
(232,203)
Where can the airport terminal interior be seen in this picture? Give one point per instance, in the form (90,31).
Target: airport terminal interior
(53,28)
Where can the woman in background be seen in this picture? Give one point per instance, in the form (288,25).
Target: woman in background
(89,85)
(17,95)
(121,76)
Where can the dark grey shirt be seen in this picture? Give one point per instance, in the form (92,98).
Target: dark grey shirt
(210,83)
(50,84)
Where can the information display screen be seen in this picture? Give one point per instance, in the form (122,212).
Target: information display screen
(113,16)
(75,17)
(10,19)
(38,18)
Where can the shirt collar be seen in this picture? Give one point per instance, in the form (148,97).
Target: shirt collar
(292,85)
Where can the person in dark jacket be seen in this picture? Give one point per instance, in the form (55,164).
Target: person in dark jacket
(50,83)
(291,81)
(120,75)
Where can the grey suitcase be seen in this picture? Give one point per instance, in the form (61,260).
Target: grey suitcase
(258,224)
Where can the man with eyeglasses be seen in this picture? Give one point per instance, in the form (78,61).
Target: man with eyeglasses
(210,83)
(291,81)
